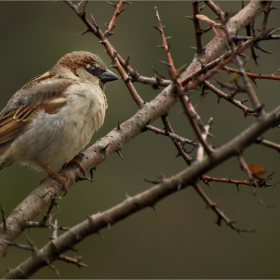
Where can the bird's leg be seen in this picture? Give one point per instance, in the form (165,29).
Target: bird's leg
(62,178)
(76,161)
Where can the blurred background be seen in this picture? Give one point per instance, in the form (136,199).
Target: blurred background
(182,240)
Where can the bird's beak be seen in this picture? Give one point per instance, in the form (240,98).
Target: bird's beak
(108,76)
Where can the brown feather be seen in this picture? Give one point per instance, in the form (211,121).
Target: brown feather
(14,122)
(47,75)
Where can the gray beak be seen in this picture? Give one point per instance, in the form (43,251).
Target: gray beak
(108,76)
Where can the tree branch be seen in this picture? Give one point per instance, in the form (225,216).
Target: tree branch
(148,198)
(94,155)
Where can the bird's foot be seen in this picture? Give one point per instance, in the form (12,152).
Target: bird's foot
(62,178)
(76,161)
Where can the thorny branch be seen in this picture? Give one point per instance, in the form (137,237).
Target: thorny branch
(197,28)
(220,215)
(118,11)
(94,28)
(194,118)
(47,254)
(198,73)
(204,130)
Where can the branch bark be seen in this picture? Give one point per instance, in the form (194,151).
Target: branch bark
(149,198)
(148,112)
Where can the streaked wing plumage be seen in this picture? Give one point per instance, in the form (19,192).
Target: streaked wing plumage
(45,92)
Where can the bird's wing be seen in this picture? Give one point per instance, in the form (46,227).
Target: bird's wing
(45,92)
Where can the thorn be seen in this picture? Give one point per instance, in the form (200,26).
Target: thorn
(94,22)
(119,126)
(81,2)
(65,192)
(244,100)
(103,149)
(119,153)
(154,209)
(152,182)
(211,135)
(168,47)
(74,260)
(91,173)
(89,217)
(242,55)
(156,27)
(110,33)
(182,69)
(127,61)
(3,217)
(189,17)
(53,268)
(101,235)
(276,72)
(121,11)
(201,63)
(157,72)
(82,33)
(237,186)
(23,247)
(179,187)
(178,155)
(31,244)
(254,81)
(83,178)
(166,63)
(219,221)
(112,4)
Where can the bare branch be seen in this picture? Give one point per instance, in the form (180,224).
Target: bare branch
(197,28)
(148,198)
(171,135)
(221,216)
(110,51)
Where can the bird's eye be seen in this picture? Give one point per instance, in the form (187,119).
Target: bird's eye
(95,70)
(92,69)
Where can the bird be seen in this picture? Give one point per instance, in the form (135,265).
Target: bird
(51,118)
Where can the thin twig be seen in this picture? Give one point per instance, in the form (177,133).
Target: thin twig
(118,11)
(194,118)
(254,75)
(268,144)
(221,216)
(197,28)
(246,110)
(110,51)
(171,135)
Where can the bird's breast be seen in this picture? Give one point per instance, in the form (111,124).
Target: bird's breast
(60,136)
(85,111)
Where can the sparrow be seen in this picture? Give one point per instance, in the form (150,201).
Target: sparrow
(52,117)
